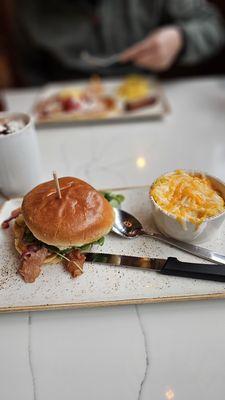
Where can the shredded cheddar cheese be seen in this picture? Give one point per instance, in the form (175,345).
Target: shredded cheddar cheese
(188,197)
(134,87)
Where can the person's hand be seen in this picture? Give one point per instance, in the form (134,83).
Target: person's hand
(157,51)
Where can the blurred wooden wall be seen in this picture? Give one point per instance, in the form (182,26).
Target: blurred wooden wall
(6,67)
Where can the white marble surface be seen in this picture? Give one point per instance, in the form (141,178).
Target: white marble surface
(162,351)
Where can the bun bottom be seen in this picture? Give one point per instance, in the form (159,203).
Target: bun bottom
(19,227)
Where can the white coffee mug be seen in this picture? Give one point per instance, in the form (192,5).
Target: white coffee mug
(20,165)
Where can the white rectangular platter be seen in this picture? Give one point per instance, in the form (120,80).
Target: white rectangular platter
(156,111)
(103,285)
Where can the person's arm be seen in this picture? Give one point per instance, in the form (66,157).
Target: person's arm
(158,51)
(195,32)
(201,25)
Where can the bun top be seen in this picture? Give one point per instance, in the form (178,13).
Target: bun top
(81,216)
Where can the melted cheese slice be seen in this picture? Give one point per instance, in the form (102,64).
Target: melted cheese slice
(187,197)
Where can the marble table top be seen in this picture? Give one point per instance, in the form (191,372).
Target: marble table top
(156,351)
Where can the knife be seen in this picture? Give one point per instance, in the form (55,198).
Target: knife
(169,266)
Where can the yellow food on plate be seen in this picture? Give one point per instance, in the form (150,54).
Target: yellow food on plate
(187,196)
(70,92)
(134,87)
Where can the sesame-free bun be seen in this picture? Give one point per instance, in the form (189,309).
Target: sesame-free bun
(81,216)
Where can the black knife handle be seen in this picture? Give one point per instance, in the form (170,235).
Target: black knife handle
(212,272)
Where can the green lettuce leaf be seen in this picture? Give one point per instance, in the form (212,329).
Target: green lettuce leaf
(114,199)
(31,239)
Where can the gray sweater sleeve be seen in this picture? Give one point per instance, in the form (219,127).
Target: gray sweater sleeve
(202,27)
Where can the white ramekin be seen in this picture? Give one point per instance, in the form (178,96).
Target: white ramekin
(168,224)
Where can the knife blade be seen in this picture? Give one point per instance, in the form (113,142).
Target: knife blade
(169,266)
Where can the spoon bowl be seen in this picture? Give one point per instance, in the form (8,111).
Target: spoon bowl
(127,225)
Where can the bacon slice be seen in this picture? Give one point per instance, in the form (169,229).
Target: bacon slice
(31,263)
(75,262)
(14,214)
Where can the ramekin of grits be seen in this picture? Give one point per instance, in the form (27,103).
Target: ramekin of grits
(188,205)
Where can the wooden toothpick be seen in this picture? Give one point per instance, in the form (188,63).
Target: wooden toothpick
(57,184)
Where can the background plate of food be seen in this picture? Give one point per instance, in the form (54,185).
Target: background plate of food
(95,100)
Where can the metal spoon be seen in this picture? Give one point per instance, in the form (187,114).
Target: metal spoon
(127,226)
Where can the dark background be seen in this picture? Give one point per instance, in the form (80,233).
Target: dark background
(9,67)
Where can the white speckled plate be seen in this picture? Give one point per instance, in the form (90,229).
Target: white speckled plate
(102,285)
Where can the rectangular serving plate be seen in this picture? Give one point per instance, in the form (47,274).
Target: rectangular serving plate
(103,285)
(156,111)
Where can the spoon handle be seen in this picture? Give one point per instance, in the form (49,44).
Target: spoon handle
(190,248)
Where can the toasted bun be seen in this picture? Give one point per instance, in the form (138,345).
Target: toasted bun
(81,216)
